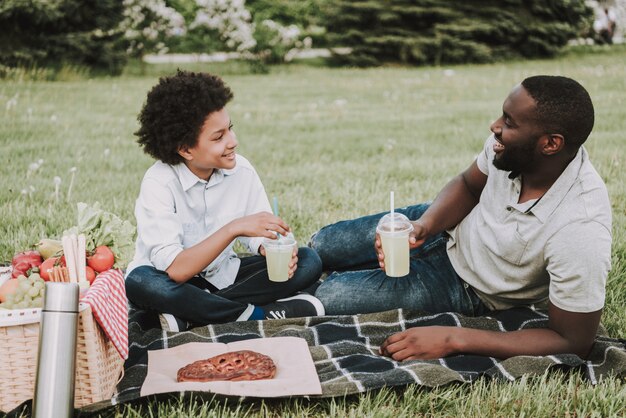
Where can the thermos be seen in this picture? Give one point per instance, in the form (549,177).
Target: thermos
(56,357)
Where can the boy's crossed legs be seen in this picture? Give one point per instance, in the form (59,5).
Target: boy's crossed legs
(253,296)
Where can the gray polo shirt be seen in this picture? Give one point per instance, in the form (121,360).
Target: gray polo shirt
(558,247)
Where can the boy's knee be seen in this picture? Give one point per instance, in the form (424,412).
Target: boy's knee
(138,274)
(142,282)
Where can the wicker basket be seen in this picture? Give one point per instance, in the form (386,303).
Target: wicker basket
(98,364)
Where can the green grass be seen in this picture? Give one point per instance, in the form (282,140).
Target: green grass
(330,143)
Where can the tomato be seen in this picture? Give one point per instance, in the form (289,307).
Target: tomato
(24,261)
(102,259)
(46,266)
(91,275)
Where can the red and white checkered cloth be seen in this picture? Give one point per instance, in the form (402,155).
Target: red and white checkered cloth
(107,299)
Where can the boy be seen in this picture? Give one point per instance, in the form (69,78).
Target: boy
(194,202)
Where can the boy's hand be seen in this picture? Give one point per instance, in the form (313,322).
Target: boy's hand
(259,225)
(293,264)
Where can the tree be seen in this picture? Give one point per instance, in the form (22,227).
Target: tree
(80,32)
(450,31)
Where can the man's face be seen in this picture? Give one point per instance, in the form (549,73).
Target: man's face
(516,133)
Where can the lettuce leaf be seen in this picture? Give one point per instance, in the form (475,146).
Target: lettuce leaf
(105,228)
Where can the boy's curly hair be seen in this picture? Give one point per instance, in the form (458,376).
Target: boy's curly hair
(175,111)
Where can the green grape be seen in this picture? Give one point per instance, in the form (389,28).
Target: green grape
(28,293)
(24,286)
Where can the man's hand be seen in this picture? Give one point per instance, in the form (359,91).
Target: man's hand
(419,234)
(420,343)
(416,238)
(567,332)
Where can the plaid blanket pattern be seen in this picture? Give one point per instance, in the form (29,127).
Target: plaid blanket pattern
(345,350)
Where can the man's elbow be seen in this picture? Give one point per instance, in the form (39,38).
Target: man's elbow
(577,330)
(582,348)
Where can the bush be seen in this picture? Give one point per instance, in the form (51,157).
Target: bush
(63,32)
(449,31)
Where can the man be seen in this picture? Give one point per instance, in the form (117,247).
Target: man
(527,224)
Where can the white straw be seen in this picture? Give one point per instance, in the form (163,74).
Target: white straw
(391,204)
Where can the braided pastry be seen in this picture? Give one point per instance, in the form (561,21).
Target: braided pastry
(234,366)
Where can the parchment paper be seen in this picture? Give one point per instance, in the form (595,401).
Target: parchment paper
(295,372)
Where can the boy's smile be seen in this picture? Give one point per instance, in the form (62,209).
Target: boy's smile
(215,148)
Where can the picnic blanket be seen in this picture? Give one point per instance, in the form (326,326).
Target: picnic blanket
(345,350)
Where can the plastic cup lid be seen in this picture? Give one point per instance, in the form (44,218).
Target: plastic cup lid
(281,241)
(401,224)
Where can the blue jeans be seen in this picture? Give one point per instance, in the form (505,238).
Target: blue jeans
(200,303)
(358,285)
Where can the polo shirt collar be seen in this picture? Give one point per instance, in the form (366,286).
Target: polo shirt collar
(557,192)
(188,179)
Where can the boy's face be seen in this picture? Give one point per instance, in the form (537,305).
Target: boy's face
(215,148)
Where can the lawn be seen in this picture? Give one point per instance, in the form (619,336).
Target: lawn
(330,144)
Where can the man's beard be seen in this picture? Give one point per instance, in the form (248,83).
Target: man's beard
(516,159)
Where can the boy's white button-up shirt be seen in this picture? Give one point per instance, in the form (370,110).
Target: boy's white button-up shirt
(176,210)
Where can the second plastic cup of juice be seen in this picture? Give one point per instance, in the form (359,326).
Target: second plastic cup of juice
(394,237)
(278,253)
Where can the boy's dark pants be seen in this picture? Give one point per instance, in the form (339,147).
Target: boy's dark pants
(200,303)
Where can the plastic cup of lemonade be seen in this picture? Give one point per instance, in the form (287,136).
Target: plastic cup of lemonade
(278,253)
(394,229)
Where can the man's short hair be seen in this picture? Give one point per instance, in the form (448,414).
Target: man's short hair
(175,111)
(563,107)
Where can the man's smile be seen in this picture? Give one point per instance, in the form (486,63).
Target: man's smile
(498,147)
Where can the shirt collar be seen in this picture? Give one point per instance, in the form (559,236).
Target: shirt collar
(557,192)
(188,179)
